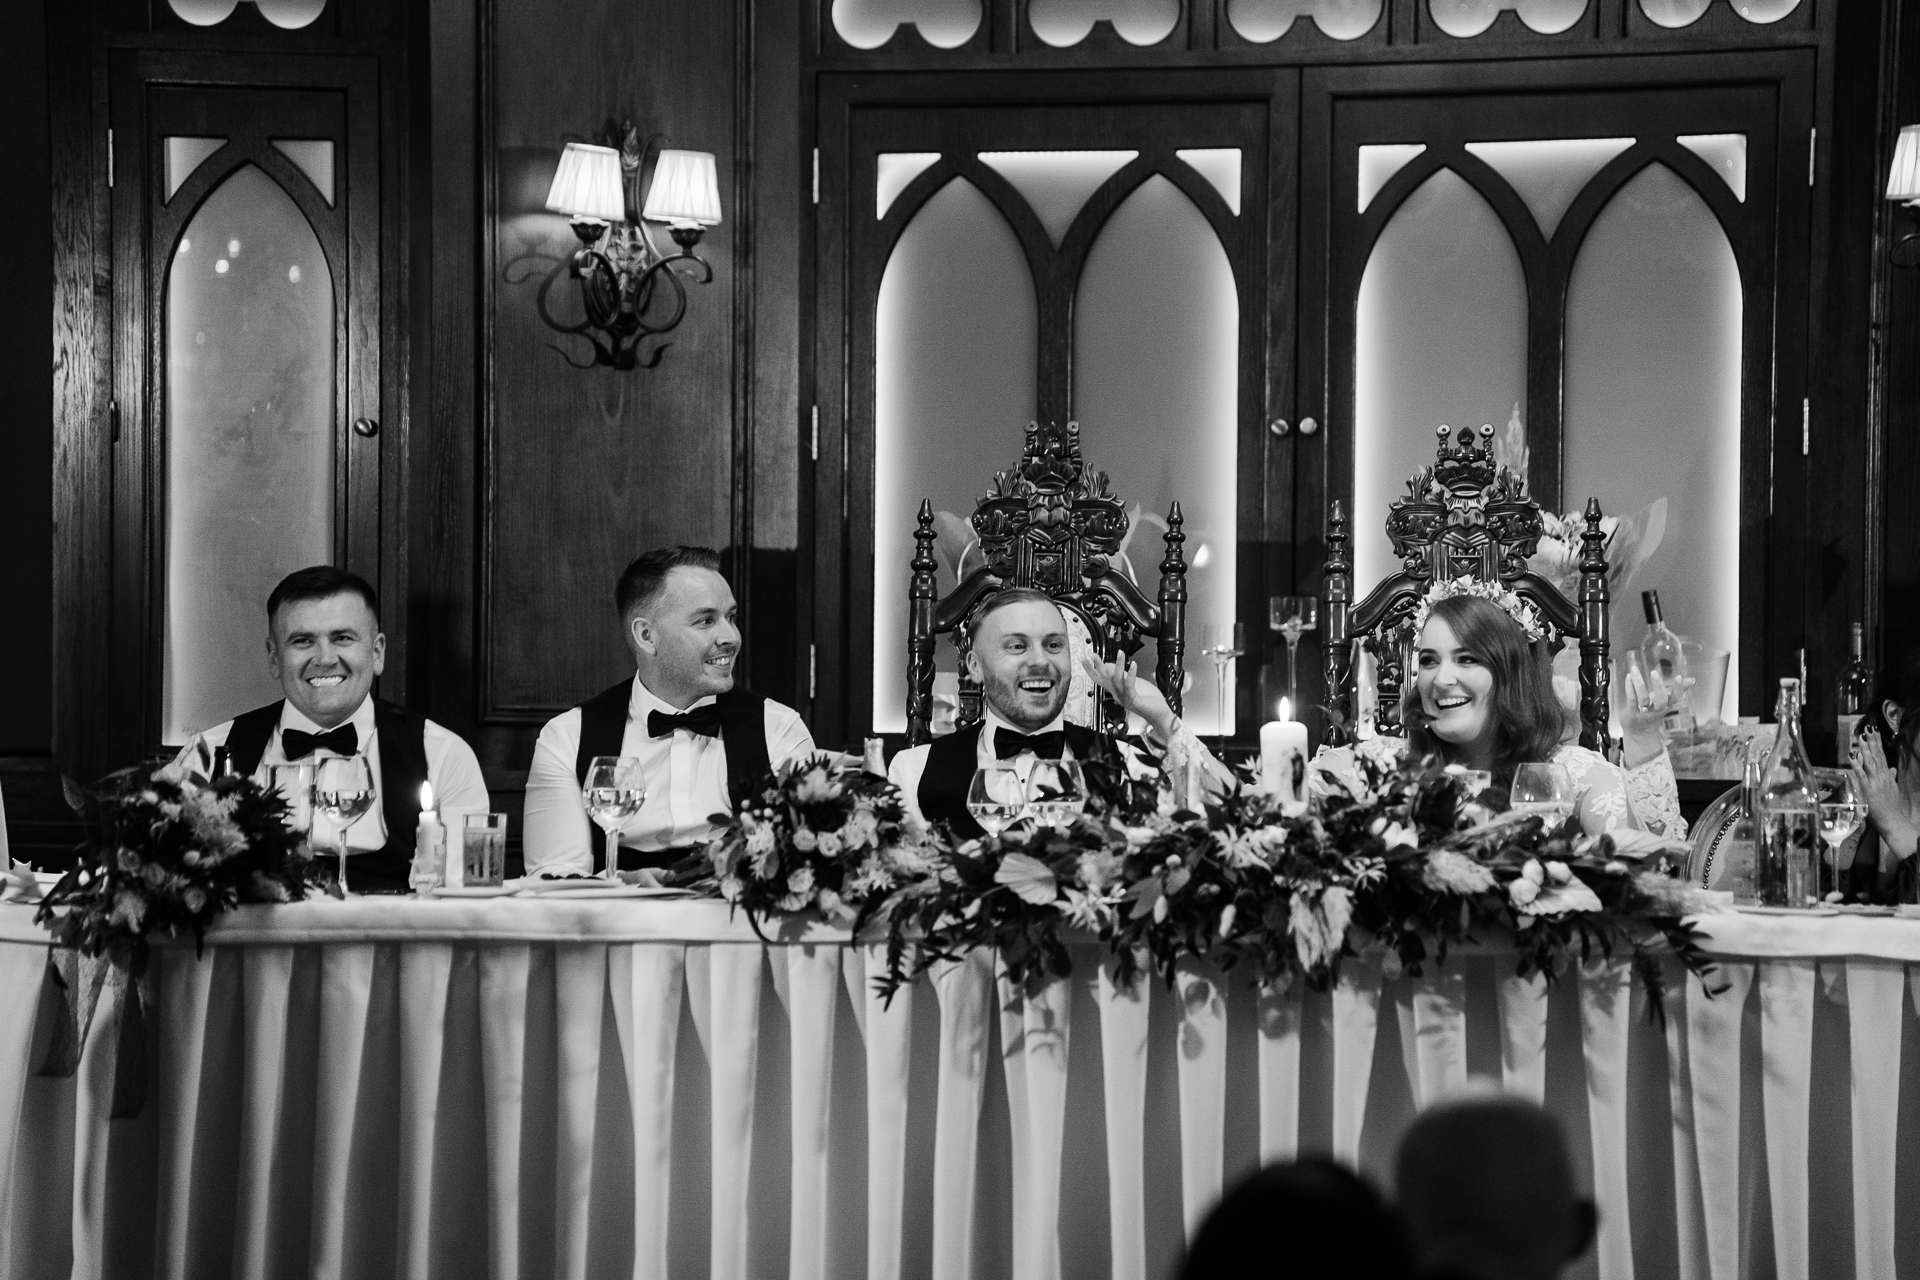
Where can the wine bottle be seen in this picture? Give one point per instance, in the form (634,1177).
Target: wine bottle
(1666,667)
(1736,872)
(1852,692)
(1785,861)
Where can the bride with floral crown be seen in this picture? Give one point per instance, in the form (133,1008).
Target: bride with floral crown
(1482,697)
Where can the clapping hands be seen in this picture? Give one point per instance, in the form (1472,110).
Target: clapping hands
(1891,809)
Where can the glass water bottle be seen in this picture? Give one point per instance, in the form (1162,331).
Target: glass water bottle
(1787,860)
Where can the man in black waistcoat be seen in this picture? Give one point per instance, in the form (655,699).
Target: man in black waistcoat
(701,739)
(1019,656)
(324,646)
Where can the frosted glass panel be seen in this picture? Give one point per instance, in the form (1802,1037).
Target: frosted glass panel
(1726,152)
(1653,400)
(1155,387)
(1440,337)
(1548,174)
(894,171)
(1056,184)
(1067,22)
(954,366)
(313,157)
(1221,167)
(1265,20)
(868,24)
(183,156)
(249,432)
(1379,162)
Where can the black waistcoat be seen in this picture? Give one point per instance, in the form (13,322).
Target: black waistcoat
(954,759)
(403,767)
(743,733)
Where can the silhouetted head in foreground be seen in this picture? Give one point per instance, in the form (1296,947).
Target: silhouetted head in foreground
(1486,1191)
(1304,1221)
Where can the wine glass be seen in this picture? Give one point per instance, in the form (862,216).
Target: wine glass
(343,790)
(1841,813)
(1056,792)
(613,792)
(1293,617)
(1223,642)
(997,796)
(1545,790)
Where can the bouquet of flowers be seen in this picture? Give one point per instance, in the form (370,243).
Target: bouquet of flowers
(168,851)
(820,835)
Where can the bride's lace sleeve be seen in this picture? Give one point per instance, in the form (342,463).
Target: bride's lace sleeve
(1338,768)
(1656,797)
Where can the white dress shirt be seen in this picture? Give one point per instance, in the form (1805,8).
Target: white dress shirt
(685,776)
(459,787)
(1183,752)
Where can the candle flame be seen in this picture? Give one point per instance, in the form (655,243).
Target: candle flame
(1286,709)
(426,797)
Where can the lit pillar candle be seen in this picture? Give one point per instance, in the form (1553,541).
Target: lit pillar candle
(1283,755)
(430,846)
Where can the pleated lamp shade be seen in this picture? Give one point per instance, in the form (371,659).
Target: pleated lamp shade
(587,184)
(685,190)
(1903,180)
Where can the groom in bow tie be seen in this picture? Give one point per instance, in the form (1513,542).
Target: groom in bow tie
(1019,656)
(324,646)
(701,739)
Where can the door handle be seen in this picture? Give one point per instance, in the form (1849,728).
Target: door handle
(366,427)
(1308,426)
(1279,427)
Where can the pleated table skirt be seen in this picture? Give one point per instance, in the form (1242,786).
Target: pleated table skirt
(509,1089)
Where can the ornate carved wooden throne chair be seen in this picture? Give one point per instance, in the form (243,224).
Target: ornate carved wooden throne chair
(1464,516)
(1050,523)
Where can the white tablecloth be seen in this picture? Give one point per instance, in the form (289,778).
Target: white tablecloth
(514,1088)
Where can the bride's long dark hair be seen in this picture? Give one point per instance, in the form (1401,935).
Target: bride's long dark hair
(1528,720)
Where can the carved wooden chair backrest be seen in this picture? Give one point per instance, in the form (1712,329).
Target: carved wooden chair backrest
(1051,524)
(1464,516)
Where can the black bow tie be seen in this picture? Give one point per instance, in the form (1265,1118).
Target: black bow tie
(1008,743)
(703,720)
(343,741)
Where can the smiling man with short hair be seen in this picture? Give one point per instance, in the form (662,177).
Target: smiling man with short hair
(325,646)
(1019,652)
(702,740)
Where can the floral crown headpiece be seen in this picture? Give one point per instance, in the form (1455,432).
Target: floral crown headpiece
(1524,614)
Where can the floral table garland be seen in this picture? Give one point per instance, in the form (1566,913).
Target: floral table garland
(1407,866)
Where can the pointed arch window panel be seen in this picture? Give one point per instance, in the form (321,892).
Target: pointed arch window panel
(1440,336)
(249,458)
(957,332)
(1164,428)
(1653,399)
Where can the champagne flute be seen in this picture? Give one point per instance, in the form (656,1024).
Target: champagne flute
(1293,617)
(343,790)
(1056,792)
(1545,790)
(1223,642)
(1841,813)
(997,796)
(613,792)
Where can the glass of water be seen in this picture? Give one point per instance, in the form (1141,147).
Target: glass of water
(613,792)
(1545,790)
(483,847)
(997,796)
(1842,811)
(1056,792)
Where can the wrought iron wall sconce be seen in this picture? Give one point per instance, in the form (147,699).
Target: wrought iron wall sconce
(1903,184)
(631,292)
